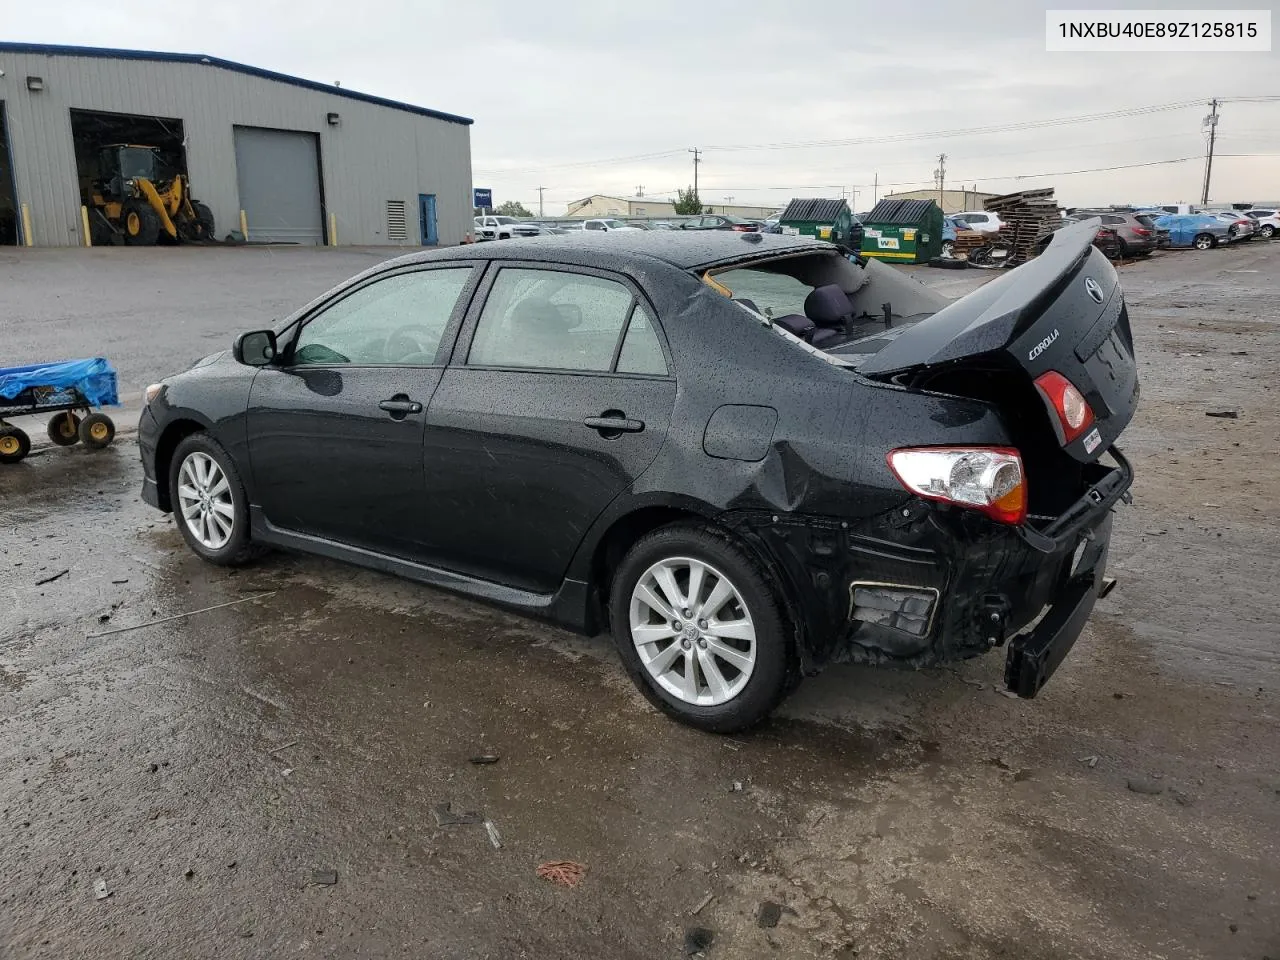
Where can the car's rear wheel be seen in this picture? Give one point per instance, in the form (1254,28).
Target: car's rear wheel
(700,628)
(209,501)
(1204,241)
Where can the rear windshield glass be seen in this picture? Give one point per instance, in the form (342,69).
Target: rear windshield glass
(773,294)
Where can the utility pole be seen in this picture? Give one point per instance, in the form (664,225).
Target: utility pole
(1211,121)
(941,175)
(875,190)
(640,190)
(697,159)
(540,189)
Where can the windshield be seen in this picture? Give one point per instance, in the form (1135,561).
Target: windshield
(613,224)
(137,163)
(505,220)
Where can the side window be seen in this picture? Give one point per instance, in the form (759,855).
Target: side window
(593,225)
(398,319)
(548,319)
(641,350)
(1113,219)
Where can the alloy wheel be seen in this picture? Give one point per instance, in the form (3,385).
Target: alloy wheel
(693,631)
(204,497)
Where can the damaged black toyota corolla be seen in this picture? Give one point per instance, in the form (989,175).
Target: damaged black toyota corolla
(747,456)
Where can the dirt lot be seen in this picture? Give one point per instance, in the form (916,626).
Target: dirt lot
(204,769)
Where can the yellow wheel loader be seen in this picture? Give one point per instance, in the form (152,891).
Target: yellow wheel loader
(134,200)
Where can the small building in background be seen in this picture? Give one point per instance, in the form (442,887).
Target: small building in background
(307,162)
(951,201)
(602,205)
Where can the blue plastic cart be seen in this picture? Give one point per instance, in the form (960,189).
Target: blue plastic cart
(65,388)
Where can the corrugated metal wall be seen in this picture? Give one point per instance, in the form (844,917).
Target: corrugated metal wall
(376,154)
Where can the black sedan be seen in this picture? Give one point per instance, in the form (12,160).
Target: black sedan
(745,455)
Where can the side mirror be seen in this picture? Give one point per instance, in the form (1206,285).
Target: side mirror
(256,349)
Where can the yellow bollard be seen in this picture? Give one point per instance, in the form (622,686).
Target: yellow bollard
(244,226)
(84,222)
(27,239)
(333,229)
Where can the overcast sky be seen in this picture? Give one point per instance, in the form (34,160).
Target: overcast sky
(558,89)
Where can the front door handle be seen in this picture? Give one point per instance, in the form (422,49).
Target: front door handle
(400,406)
(613,424)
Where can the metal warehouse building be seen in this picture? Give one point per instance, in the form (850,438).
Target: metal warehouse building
(306,162)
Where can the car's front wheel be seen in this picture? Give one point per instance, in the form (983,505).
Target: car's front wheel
(1267,232)
(1205,241)
(209,501)
(700,628)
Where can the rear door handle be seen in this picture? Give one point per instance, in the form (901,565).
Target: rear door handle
(400,406)
(614,425)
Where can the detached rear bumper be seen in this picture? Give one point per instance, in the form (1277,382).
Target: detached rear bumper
(1034,656)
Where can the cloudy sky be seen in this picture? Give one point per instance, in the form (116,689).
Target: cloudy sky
(596,96)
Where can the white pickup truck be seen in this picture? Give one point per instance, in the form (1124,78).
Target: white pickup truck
(504,228)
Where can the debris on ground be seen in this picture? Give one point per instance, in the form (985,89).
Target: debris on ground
(283,746)
(1092,761)
(735,787)
(769,915)
(697,940)
(116,583)
(446,817)
(176,616)
(702,904)
(1223,414)
(100,890)
(567,873)
(484,759)
(1146,787)
(494,837)
(324,878)
(57,576)
(189,874)
(1181,798)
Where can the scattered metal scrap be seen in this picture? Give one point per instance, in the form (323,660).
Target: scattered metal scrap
(176,616)
(446,817)
(62,573)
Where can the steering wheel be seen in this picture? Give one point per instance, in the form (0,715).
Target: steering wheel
(404,342)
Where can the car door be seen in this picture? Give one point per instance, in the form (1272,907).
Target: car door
(557,398)
(335,427)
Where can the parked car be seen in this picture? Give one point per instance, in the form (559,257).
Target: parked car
(951,228)
(772,225)
(1268,222)
(500,228)
(1197,230)
(1105,239)
(980,220)
(607,224)
(533,425)
(720,222)
(662,225)
(1239,227)
(1136,234)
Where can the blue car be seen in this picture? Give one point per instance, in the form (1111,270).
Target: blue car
(1194,230)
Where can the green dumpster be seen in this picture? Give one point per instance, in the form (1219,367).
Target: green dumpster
(904,231)
(823,219)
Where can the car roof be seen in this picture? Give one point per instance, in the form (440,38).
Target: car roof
(693,250)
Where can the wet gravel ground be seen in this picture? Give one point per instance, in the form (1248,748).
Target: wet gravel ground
(216,772)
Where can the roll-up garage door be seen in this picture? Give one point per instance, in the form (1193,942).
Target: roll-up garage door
(279,177)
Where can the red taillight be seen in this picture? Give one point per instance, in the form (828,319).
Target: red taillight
(740,228)
(1074,414)
(1142,231)
(987,479)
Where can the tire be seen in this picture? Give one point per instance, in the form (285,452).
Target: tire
(14,444)
(229,547)
(140,224)
(204,225)
(1122,250)
(1266,231)
(63,429)
(743,691)
(97,431)
(1204,241)
(101,233)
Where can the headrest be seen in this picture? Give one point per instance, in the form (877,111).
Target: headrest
(828,306)
(539,317)
(795,325)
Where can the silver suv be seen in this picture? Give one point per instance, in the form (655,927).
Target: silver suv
(1137,232)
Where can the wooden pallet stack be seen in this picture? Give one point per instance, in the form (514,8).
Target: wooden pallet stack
(967,241)
(1027,216)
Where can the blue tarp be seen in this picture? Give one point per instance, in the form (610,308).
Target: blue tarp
(94,378)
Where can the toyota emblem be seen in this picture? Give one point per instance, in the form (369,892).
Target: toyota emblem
(1094,288)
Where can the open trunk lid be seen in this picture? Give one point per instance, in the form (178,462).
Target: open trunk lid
(1063,311)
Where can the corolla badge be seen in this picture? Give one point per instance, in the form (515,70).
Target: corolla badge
(1094,289)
